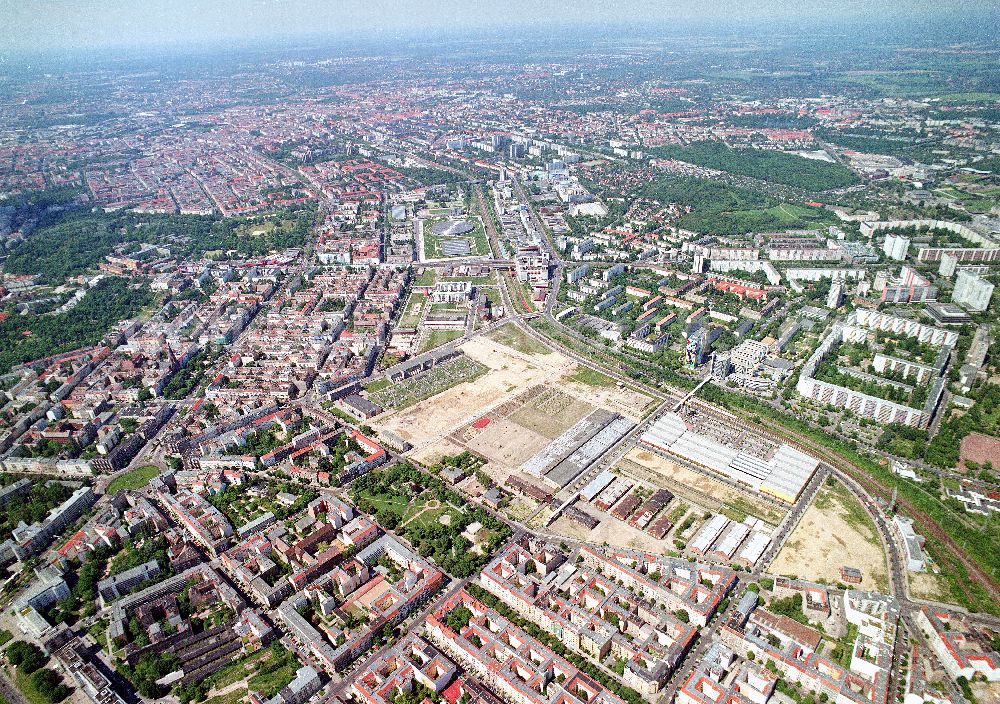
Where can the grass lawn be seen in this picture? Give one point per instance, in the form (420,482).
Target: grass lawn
(432,516)
(136,479)
(515,338)
(26,687)
(428,277)
(436,338)
(234,697)
(592,377)
(414,308)
(377,385)
(236,671)
(270,683)
(397,504)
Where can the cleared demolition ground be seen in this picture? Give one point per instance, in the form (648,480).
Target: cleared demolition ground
(522,402)
(834,532)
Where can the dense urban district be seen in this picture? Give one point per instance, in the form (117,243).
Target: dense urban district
(556,372)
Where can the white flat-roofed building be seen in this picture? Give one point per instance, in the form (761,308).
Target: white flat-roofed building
(972,291)
(730,541)
(753,548)
(708,534)
(782,476)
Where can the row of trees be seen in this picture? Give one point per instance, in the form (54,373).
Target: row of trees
(27,658)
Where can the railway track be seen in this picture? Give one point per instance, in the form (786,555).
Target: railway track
(876,488)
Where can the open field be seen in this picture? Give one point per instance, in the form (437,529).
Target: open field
(460,371)
(507,446)
(136,479)
(624,400)
(592,377)
(551,413)
(925,585)
(835,531)
(508,373)
(515,409)
(613,532)
(516,339)
(436,338)
(413,312)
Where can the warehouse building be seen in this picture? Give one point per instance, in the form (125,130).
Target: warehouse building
(783,475)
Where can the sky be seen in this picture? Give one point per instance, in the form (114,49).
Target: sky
(31,25)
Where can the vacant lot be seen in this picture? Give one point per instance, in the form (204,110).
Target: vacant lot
(601,390)
(835,531)
(508,373)
(551,413)
(925,585)
(517,339)
(506,445)
(613,532)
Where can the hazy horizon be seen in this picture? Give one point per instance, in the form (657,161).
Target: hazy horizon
(36,26)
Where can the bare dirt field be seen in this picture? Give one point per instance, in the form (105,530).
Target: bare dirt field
(430,455)
(509,372)
(980,448)
(610,531)
(507,443)
(526,396)
(551,413)
(925,585)
(834,531)
(520,508)
(625,401)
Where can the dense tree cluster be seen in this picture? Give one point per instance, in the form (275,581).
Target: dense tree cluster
(374,493)
(27,658)
(764,164)
(726,209)
(984,416)
(77,241)
(34,506)
(24,338)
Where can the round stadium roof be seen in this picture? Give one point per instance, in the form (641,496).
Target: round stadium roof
(452,227)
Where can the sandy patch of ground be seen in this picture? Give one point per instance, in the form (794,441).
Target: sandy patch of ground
(925,585)
(432,454)
(510,372)
(625,401)
(520,508)
(829,536)
(611,531)
(507,443)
